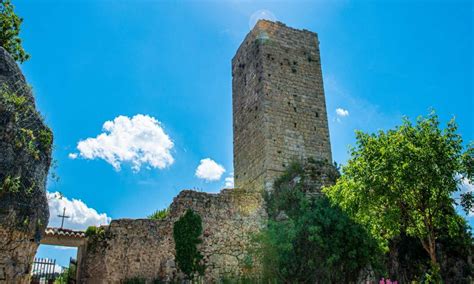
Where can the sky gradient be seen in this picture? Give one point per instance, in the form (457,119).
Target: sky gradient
(94,61)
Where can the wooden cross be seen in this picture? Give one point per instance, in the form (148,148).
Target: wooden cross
(63,216)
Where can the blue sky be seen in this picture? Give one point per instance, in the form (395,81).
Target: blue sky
(93,61)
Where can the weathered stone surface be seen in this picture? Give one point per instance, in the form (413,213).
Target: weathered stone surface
(145,248)
(25,157)
(278,104)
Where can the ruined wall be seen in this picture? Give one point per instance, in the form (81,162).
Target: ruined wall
(25,157)
(278,103)
(145,248)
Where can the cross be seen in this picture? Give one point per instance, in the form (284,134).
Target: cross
(63,216)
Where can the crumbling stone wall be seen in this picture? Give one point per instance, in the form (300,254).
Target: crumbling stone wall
(278,104)
(144,248)
(25,157)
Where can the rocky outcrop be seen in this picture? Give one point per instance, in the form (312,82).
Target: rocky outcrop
(144,249)
(25,158)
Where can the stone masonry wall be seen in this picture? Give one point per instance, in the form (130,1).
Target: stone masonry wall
(278,103)
(145,248)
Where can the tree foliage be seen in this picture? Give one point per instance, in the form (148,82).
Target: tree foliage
(308,240)
(186,233)
(10,30)
(403,180)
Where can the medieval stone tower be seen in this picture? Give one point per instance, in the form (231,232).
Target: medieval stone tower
(279,109)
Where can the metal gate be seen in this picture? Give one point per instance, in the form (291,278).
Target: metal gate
(43,271)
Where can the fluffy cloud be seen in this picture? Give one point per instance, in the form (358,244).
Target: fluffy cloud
(72,156)
(342,112)
(139,140)
(209,170)
(81,216)
(229,181)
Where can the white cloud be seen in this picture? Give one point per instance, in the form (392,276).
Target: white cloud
(64,248)
(209,170)
(229,181)
(342,112)
(72,156)
(139,140)
(80,215)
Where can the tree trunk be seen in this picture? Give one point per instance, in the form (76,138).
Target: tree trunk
(432,252)
(430,247)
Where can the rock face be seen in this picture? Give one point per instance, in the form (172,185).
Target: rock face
(144,248)
(25,158)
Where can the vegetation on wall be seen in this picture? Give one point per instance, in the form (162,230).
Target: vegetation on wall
(186,233)
(27,138)
(309,240)
(401,183)
(96,237)
(10,184)
(25,135)
(10,30)
(159,214)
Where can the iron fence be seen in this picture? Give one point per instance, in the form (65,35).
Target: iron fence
(44,270)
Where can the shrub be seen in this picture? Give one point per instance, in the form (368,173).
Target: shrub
(186,233)
(96,235)
(308,240)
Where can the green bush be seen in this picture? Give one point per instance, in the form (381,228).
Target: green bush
(186,233)
(308,240)
(66,276)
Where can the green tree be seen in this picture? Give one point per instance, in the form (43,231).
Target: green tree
(308,240)
(10,31)
(403,181)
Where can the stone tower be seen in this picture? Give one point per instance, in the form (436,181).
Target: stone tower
(279,109)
